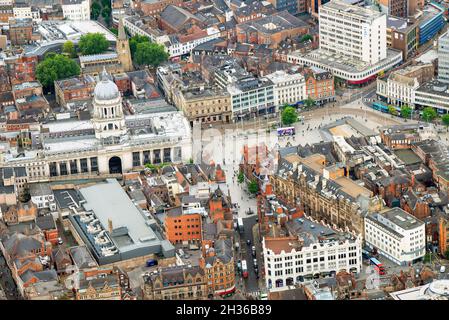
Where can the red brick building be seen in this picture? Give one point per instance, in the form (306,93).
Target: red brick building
(320,85)
(48,226)
(74,89)
(154,8)
(219,206)
(20,31)
(271,30)
(22,69)
(181,227)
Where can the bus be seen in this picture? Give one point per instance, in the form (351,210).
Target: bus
(377,266)
(380,107)
(287,131)
(244,269)
(365,254)
(240,225)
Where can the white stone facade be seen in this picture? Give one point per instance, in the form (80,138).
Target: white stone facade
(287,267)
(76,10)
(353,31)
(397,235)
(287,88)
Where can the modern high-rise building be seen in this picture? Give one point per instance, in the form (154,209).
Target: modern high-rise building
(353,31)
(443,58)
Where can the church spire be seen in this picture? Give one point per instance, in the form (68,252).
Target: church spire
(123,51)
(121,29)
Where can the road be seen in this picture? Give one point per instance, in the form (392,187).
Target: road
(251,283)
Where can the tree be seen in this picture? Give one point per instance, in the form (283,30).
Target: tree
(446,254)
(55,67)
(306,37)
(253,187)
(69,49)
(428,114)
(309,102)
(134,41)
(392,110)
(106,3)
(106,12)
(406,112)
(289,116)
(148,53)
(25,196)
(93,43)
(445,119)
(240,177)
(95,10)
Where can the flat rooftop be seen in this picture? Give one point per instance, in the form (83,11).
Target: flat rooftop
(67,125)
(353,189)
(110,202)
(345,63)
(407,156)
(398,24)
(402,219)
(357,11)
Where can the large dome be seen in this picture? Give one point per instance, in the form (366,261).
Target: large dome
(106,89)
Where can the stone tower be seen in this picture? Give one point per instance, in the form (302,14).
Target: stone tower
(108,119)
(124,54)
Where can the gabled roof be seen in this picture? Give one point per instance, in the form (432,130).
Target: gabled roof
(176,17)
(18,244)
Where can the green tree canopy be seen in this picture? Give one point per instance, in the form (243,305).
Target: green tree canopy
(289,116)
(392,110)
(56,67)
(134,41)
(445,119)
(95,10)
(93,43)
(306,37)
(240,177)
(406,111)
(428,114)
(309,102)
(253,187)
(446,254)
(106,3)
(148,53)
(106,12)
(69,48)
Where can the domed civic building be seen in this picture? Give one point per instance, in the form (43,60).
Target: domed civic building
(108,118)
(435,290)
(109,143)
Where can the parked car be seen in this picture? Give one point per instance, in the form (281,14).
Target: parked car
(253,251)
(443,269)
(60,241)
(151,263)
(248,242)
(255,263)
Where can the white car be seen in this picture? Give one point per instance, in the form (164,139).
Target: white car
(443,269)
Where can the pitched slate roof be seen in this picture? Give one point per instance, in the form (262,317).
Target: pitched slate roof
(176,17)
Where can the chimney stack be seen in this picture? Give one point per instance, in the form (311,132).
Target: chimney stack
(110,226)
